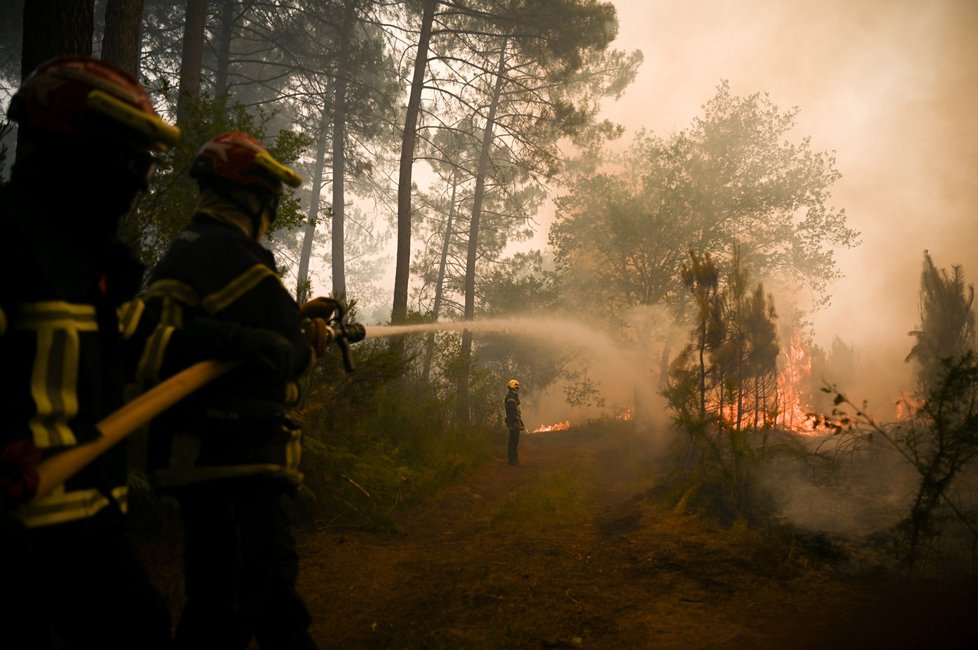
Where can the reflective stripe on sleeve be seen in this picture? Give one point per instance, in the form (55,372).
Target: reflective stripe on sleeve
(173,289)
(129,315)
(148,370)
(54,376)
(221,299)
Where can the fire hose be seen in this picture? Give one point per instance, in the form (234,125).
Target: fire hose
(57,469)
(115,427)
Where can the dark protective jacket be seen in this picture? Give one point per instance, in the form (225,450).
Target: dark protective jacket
(66,327)
(240,425)
(514,418)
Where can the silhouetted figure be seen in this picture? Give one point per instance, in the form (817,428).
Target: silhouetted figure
(87,133)
(230,454)
(514,420)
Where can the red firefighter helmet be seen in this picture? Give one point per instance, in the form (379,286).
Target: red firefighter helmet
(238,158)
(81,98)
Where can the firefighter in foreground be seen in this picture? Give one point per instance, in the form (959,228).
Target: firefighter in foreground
(87,136)
(71,334)
(230,453)
(514,420)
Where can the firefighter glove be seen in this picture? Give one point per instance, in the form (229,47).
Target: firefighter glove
(319,308)
(266,352)
(318,334)
(18,472)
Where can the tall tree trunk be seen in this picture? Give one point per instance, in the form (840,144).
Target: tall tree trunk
(54,28)
(51,29)
(402,265)
(465,361)
(225,32)
(344,67)
(192,59)
(120,42)
(440,282)
(302,276)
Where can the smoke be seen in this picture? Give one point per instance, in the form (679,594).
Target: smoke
(890,86)
(624,375)
(843,492)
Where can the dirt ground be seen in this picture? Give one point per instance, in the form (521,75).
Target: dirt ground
(568,551)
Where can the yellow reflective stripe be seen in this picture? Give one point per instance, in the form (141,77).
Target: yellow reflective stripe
(172,312)
(55,315)
(173,289)
(54,377)
(121,495)
(60,506)
(237,287)
(129,314)
(293,451)
(148,370)
(185,452)
(292,393)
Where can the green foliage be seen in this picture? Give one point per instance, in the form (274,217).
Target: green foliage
(374,442)
(733,178)
(169,205)
(551,497)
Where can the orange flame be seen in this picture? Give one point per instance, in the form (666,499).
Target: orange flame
(625,416)
(560,426)
(792,414)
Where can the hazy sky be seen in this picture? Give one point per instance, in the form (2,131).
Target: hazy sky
(891,86)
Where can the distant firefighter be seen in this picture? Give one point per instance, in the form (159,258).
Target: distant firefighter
(514,420)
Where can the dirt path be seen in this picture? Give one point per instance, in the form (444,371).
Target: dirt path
(567,551)
(561,553)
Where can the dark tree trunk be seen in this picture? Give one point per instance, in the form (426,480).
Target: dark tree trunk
(339,154)
(192,60)
(465,362)
(440,282)
(52,29)
(308,237)
(224,34)
(120,42)
(402,266)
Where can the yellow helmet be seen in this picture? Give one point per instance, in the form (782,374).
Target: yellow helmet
(512,384)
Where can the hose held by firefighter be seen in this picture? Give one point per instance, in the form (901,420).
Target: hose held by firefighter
(230,453)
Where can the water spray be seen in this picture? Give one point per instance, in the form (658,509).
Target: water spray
(555,330)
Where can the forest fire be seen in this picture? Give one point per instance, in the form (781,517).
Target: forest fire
(624,416)
(560,426)
(791,412)
(776,400)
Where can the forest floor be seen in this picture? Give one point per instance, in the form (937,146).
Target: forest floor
(569,550)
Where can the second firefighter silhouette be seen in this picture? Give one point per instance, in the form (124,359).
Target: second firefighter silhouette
(514,420)
(230,453)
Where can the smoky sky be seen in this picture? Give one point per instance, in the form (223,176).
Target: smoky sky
(889,86)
